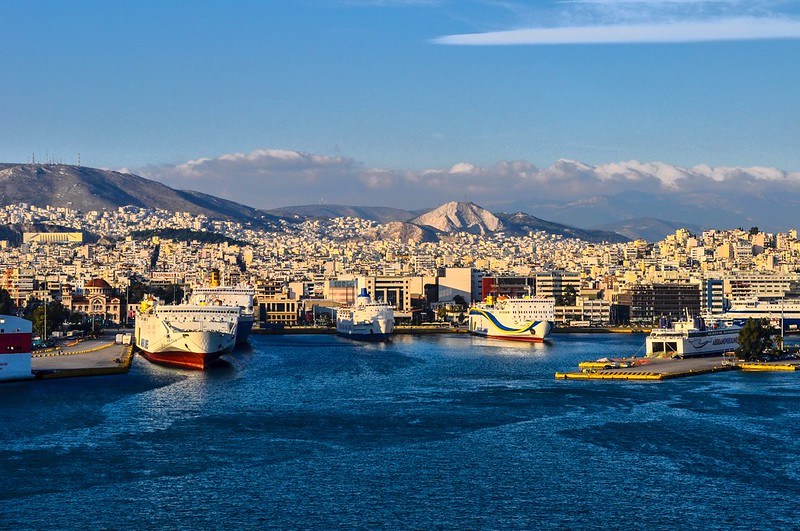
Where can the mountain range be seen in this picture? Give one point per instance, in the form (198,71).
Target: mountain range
(86,189)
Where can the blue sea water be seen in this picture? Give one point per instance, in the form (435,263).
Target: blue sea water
(428,432)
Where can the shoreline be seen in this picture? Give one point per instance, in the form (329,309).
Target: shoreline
(428,330)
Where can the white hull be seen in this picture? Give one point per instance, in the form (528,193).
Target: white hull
(686,341)
(379,329)
(15,367)
(528,319)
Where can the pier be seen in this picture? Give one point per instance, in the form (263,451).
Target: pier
(92,357)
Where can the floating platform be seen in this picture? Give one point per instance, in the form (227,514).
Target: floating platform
(770,366)
(648,369)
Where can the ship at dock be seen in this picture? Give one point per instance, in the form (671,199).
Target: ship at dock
(15,348)
(781,313)
(516,319)
(239,297)
(692,338)
(185,335)
(365,320)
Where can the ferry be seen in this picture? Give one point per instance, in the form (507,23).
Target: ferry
(15,348)
(240,297)
(517,319)
(692,338)
(185,335)
(366,320)
(778,311)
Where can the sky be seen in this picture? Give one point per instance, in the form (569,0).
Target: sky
(394,102)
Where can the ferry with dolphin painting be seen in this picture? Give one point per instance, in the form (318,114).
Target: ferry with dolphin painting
(516,319)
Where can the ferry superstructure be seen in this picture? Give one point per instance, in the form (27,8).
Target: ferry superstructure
(517,319)
(185,335)
(241,297)
(778,311)
(692,338)
(15,348)
(366,320)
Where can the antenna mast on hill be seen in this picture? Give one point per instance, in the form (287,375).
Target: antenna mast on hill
(79,160)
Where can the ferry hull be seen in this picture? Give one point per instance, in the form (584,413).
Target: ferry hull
(243,329)
(375,337)
(524,339)
(15,367)
(485,324)
(183,360)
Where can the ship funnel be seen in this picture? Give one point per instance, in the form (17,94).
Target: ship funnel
(363,297)
(215,278)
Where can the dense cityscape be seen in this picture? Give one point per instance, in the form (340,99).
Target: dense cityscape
(304,269)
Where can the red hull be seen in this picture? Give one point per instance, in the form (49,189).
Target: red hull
(184,360)
(522,339)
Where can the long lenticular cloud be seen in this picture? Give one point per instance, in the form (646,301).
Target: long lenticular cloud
(730,29)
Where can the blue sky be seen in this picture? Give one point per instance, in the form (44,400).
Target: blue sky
(399,86)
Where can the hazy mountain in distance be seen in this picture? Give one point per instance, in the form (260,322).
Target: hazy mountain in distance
(379,214)
(650,229)
(521,224)
(696,209)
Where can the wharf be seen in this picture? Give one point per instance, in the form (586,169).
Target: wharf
(649,369)
(93,357)
(770,366)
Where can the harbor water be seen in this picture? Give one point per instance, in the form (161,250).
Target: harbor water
(424,432)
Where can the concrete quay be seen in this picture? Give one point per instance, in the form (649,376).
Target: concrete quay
(92,357)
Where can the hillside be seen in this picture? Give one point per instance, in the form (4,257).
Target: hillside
(469,217)
(460,217)
(521,223)
(86,189)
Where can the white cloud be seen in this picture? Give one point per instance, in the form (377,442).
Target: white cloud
(728,29)
(272,178)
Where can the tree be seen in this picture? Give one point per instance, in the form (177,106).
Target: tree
(459,301)
(570,295)
(755,339)
(753,231)
(56,315)
(7,306)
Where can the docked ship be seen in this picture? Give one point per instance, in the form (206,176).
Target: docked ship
(15,348)
(240,297)
(516,319)
(366,320)
(692,338)
(779,312)
(185,335)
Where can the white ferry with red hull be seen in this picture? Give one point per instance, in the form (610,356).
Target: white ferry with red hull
(515,319)
(15,348)
(185,335)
